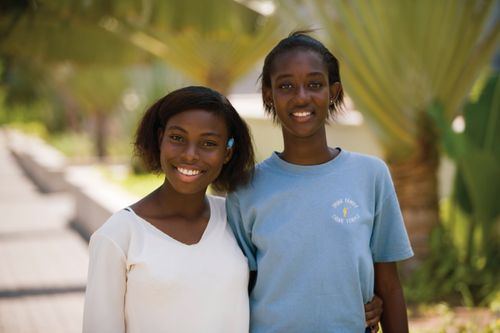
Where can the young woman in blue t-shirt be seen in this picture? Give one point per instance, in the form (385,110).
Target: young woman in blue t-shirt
(320,226)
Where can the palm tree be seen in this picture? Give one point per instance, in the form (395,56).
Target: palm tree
(213,42)
(397,58)
(99,91)
(45,37)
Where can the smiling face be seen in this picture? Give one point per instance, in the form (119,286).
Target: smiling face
(193,150)
(300,93)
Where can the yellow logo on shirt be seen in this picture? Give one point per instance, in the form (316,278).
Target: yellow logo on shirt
(345,211)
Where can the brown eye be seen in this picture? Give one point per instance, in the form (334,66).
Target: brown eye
(285,86)
(209,144)
(176,138)
(315,85)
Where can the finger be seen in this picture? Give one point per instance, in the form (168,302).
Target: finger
(377,301)
(373,314)
(372,322)
(373,309)
(369,306)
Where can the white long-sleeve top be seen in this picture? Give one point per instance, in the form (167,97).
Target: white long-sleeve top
(141,280)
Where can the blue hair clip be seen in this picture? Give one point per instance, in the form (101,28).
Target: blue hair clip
(230,143)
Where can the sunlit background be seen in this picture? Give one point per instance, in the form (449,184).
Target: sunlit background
(423,93)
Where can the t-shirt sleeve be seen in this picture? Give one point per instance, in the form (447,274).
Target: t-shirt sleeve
(389,241)
(243,236)
(106,285)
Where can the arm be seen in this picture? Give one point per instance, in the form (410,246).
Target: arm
(387,285)
(106,285)
(241,231)
(242,236)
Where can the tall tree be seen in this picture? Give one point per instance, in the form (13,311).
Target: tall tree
(41,37)
(213,42)
(99,90)
(397,57)
(54,31)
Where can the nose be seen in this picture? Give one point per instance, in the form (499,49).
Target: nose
(301,95)
(190,153)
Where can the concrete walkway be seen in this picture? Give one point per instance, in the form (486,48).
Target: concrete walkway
(43,262)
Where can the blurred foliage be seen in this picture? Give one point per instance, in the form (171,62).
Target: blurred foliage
(466,246)
(137,184)
(99,103)
(213,42)
(77,56)
(54,31)
(397,56)
(73,145)
(40,43)
(32,128)
(445,275)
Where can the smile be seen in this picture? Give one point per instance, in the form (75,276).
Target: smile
(301,114)
(189,172)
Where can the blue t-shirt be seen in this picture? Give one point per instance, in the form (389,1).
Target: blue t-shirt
(313,234)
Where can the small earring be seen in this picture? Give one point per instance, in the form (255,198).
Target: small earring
(230,143)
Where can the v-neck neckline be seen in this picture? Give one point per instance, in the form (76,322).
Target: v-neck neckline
(204,236)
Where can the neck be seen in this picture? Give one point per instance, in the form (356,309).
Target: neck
(307,151)
(180,204)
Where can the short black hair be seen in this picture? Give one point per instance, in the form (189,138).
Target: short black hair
(238,171)
(300,40)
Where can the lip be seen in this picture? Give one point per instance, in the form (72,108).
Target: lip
(188,171)
(188,174)
(301,115)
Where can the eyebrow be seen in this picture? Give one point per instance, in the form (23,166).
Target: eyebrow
(174,127)
(285,76)
(178,128)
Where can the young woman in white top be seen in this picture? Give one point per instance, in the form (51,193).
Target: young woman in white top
(169,262)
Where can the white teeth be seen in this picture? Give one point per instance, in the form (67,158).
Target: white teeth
(301,114)
(188,172)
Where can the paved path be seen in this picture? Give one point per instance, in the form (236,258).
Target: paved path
(43,262)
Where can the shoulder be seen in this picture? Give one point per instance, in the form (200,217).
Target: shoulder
(368,163)
(216,200)
(269,164)
(117,229)
(217,203)
(263,177)
(117,222)
(371,160)
(262,171)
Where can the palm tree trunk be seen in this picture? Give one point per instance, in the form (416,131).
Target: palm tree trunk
(218,80)
(416,185)
(101,135)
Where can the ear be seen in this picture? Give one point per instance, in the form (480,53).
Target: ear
(335,90)
(228,154)
(268,95)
